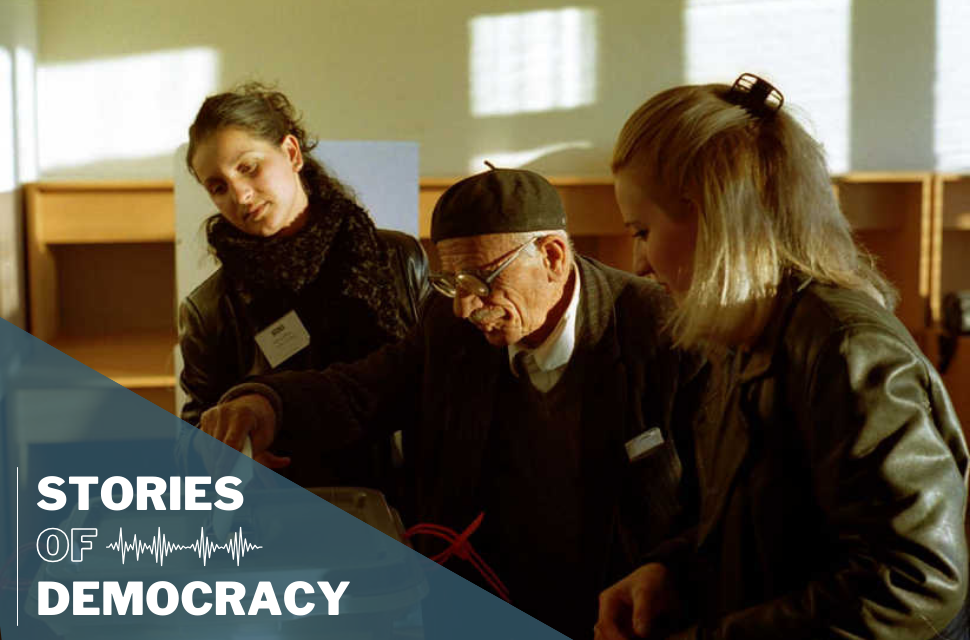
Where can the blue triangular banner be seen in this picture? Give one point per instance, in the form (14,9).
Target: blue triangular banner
(105,536)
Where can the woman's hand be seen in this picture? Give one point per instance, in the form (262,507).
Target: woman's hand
(246,416)
(632,607)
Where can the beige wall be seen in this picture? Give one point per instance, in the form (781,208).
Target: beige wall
(18,43)
(379,69)
(385,69)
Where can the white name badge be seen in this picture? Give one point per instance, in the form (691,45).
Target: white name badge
(643,444)
(282,339)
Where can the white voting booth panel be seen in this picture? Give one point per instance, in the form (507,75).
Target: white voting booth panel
(382,175)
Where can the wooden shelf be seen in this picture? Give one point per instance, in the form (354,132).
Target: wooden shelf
(957,376)
(953,199)
(101,278)
(589,202)
(103,212)
(951,251)
(871,200)
(883,177)
(134,360)
(884,201)
(592,215)
(951,272)
(891,214)
(958,222)
(101,258)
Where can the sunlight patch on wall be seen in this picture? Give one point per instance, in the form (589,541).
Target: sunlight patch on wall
(120,109)
(7,144)
(533,61)
(516,159)
(801,46)
(10,238)
(952,121)
(25,83)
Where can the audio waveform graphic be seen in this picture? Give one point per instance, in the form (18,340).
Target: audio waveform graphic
(237,546)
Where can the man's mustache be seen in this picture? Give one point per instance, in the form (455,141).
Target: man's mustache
(486,314)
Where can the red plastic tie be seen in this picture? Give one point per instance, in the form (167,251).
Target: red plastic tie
(461,547)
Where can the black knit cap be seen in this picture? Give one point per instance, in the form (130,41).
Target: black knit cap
(497,201)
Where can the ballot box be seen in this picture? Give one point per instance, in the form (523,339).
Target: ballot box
(282,547)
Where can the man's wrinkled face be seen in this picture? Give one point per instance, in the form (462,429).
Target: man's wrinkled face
(521,296)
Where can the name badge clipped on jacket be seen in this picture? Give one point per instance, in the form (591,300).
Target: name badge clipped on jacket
(637,448)
(283,339)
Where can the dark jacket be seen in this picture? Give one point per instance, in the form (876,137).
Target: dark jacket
(446,374)
(218,322)
(833,490)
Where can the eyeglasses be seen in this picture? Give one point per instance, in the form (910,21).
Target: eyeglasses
(476,282)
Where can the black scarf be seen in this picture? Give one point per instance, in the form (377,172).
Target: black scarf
(338,236)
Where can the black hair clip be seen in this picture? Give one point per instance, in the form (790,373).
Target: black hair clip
(756,95)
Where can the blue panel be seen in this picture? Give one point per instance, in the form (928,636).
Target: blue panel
(383,175)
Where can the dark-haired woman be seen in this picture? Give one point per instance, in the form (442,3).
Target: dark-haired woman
(300,259)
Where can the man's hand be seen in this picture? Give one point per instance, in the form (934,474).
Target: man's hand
(632,607)
(250,415)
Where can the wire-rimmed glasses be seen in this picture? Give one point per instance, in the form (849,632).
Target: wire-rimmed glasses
(476,282)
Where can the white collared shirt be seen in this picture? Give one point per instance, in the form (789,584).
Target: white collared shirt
(546,363)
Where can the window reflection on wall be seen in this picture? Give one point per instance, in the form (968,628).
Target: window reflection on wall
(532,61)
(11,291)
(952,121)
(138,106)
(802,46)
(7,148)
(25,96)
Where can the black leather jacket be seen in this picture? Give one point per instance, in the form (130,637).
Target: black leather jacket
(218,322)
(833,490)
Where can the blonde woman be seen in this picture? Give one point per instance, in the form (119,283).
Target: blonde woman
(831,468)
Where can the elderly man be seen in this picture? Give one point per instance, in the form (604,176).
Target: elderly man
(559,425)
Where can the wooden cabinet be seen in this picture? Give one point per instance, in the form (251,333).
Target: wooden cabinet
(890,213)
(101,278)
(891,216)
(101,262)
(950,271)
(951,213)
